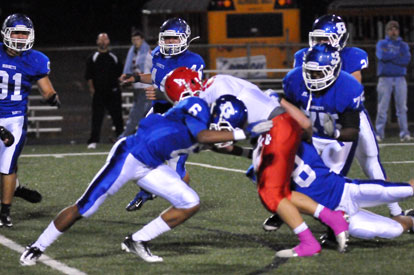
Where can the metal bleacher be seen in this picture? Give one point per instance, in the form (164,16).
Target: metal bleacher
(39,114)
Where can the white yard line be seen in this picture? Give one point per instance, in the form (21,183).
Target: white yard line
(43,259)
(62,155)
(394,144)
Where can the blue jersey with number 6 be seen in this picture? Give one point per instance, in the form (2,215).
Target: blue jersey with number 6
(345,95)
(17,75)
(162,137)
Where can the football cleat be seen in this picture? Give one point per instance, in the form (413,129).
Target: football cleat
(304,249)
(140,249)
(342,241)
(410,212)
(273,223)
(139,200)
(328,238)
(30,255)
(5,220)
(27,194)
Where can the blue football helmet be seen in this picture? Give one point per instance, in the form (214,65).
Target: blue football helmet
(18,23)
(321,67)
(227,113)
(329,29)
(178,28)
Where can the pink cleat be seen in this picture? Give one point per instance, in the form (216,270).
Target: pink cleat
(307,247)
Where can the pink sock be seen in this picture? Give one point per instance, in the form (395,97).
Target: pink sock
(308,245)
(334,219)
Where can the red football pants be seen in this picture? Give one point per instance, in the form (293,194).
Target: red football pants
(277,161)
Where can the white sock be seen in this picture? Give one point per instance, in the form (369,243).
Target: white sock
(318,210)
(17,183)
(49,235)
(394,208)
(302,227)
(152,230)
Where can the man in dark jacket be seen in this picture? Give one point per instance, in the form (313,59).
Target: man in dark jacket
(103,69)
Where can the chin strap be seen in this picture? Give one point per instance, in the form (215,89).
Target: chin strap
(197,37)
(309,102)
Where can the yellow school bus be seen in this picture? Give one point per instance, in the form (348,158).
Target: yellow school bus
(256,23)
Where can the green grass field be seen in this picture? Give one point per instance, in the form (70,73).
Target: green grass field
(224,237)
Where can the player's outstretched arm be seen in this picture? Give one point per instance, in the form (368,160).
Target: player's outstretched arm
(211,136)
(48,92)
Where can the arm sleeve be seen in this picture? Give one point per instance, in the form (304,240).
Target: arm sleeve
(349,119)
(128,61)
(383,53)
(404,57)
(148,63)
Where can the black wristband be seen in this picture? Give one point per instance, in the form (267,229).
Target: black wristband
(137,78)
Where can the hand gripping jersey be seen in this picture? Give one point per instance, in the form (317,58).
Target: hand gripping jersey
(163,137)
(353,59)
(17,75)
(162,65)
(259,105)
(346,94)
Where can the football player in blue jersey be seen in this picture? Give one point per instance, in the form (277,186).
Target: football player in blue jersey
(141,158)
(331,29)
(313,178)
(172,52)
(20,67)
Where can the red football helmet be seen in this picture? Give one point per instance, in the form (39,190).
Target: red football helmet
(182,83)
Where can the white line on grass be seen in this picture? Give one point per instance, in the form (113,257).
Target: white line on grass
(44,259)
(190,163)
(395,144)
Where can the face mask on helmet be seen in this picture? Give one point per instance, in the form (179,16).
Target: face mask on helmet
(181,83)
(177,29)
(228,113)
(18,24)
(321,67)
(330,29)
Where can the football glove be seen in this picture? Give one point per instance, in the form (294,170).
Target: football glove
(53,100)
(6,136)
(329,127)
(257,128)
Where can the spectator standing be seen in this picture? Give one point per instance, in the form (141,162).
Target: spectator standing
(138,61)
(102,72)
(393,58)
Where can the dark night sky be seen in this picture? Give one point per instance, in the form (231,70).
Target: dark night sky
(77,22)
